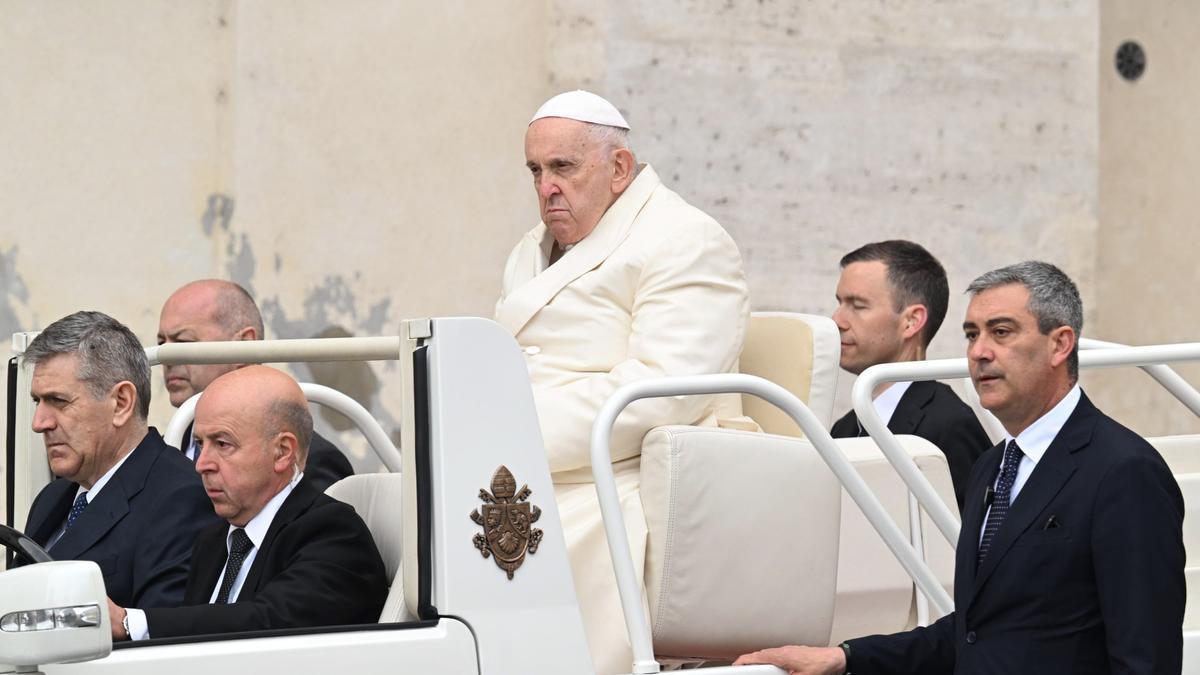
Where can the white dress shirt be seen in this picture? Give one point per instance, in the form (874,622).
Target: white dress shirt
(256,530)
(1034,441)
(887,401)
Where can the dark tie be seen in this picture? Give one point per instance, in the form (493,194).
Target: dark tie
(1001,501)
(77,508)
(240,545)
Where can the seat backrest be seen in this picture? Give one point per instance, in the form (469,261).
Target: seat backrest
(743,541)
(799,352)
(752,542)
(376,499)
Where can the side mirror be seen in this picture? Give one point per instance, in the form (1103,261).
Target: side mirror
(55,612)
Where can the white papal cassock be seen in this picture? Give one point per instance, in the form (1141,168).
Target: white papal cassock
(656,289)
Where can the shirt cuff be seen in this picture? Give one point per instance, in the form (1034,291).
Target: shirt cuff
(138,629)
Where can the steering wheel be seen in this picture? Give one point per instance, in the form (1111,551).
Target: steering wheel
(23,545)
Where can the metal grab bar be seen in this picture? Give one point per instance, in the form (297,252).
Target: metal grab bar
(315,393)
(277,351)
(614,522)
(1146,357)
(1164,375)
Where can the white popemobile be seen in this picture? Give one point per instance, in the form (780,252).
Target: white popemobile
(745,529)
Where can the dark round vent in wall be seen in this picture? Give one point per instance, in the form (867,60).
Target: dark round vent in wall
(1131,60)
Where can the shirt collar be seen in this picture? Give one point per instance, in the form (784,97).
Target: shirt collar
(98,485)
(886,402)
(1037,437)
(257,528)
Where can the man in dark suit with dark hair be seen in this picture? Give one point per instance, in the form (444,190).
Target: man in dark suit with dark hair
(892,298)
(123,498)
(1070,558)
(288,556)
(212,310)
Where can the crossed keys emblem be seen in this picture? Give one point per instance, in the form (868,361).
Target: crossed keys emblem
(507,522)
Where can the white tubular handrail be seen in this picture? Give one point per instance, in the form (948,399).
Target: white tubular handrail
(277,351)
(614,522)
(1110,356)
(1164,375)
(917,483)
(316,393)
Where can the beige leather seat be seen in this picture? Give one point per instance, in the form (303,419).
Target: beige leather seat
(752,541)
(376,499)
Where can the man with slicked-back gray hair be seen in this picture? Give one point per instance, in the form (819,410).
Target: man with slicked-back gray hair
(1070,558)
(123,498)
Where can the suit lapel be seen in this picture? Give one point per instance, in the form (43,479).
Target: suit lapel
(208,559)
(972,524)
(112,504)
(52,510)
(297,503)
(1047,479)
(910,410)
(526,299)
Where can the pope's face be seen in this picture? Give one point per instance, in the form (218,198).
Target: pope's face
(573,175)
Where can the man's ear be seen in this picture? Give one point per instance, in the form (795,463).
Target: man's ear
(247,333)
(913,319)
(124,401)
(286,449)
(1062,343)
(624,168)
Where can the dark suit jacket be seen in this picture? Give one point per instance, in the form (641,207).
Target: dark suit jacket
(139,529)
(934,412)
(318,566)
(326,464)
(1101,593)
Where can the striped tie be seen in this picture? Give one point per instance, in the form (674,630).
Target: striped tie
(1001,501)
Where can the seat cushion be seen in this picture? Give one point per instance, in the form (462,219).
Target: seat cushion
(743,541)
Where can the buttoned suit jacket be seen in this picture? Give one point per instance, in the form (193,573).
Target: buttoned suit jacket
(139,529)
(318,566)
(326,464)
(657,288)
(934,412)
(1084,576)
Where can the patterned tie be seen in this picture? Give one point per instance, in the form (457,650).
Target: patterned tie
(1000,501)
(77,508)
(239,547)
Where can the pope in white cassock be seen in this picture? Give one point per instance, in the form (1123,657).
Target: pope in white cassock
(622,280)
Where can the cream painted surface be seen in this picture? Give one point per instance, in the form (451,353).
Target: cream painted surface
(1149,203)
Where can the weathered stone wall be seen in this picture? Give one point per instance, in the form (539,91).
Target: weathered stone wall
(357,163)
(808,129)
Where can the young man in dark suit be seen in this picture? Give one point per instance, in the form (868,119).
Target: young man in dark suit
(288,556)
(213,310)
(892,298)
(124,498)
(1070,558)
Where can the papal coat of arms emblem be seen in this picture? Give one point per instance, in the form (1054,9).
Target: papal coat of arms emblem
(507,521)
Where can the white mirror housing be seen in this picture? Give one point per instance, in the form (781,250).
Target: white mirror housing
(53,612)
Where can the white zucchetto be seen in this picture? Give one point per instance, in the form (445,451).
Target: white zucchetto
(583,106)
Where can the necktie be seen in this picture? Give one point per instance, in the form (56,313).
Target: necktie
(77,508)
(240,545)
(1001,500)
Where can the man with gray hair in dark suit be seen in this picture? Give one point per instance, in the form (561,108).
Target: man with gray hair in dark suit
(123,498)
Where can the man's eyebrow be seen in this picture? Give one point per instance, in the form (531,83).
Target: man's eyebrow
(850,297)
(999,320)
